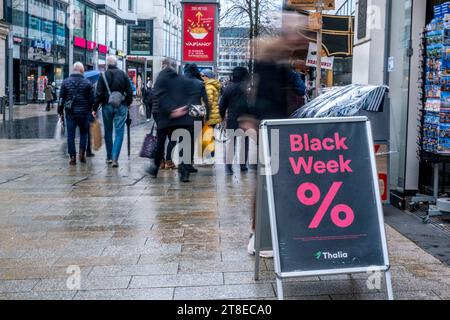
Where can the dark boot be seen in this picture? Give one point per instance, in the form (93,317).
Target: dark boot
(73,161)
(191,168)
(82,157)
(152,170)
(229,170)
(244,168)
(184,173)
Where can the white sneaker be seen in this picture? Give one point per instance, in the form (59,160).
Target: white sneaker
(251,245)
(251,249)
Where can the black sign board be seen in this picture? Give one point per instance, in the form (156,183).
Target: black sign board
(323,197)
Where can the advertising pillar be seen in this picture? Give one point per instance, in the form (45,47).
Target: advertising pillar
(200,32)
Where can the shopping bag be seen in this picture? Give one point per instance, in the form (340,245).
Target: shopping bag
(96,135)
(148,149)
(142,110)
(59,130)
(208,142)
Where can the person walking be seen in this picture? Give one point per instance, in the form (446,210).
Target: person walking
(49,98)
(234,104)
(196,95)
(170,89)
(147,99)
(114,84)
(77,100)
(212,86)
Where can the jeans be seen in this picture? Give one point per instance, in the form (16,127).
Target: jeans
(72,122)
(114,118)
(162,135)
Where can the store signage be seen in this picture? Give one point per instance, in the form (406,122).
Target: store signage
(321,188)
(17,40)
(312,4)
(91,45)
(382,152)
(102,49)
(79,42)
(199,27)
(42,44)
(311,61)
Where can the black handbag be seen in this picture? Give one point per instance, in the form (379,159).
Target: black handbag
(148,149)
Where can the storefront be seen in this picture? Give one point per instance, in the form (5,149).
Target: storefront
(40,47)
(420,117)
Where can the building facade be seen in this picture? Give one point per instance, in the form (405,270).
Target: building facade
(234,50)
(156,36)
(389,49)
(50,35)
(4,29)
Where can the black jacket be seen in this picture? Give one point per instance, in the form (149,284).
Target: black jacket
(170,90)
(80,91)
(235,101)
(147,94)
(117,81)
(196,91)
(271,84)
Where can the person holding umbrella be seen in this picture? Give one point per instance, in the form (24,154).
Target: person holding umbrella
(115,94)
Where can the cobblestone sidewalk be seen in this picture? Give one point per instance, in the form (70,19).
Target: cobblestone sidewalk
(136,238)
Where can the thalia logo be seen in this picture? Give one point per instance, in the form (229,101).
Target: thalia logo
(329,256)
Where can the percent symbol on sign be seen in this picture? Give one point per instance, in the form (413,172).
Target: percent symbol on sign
(313,198)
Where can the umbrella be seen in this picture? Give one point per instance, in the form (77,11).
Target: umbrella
(92,75)
(128,133)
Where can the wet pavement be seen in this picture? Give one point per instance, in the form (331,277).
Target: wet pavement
(131,237)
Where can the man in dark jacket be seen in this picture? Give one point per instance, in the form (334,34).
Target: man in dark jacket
(196,95)
(79,91)
(234,104)
(113,117)
(170,89)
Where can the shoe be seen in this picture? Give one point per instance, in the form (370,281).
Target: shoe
(191,168)
(82,157)
(183,170)
(115,164)
(244,168)
(162,166)
(73,161)
(152,170)
(109,161)
(90,155)
(170,165)
(251,245)
(251,249)
(148,120)
(229,170)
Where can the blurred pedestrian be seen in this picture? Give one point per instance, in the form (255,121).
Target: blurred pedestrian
(77,100)
(269,96)
(234,104)
(114,86)
(212,86)
(49,96)
(147,99)
(170,88)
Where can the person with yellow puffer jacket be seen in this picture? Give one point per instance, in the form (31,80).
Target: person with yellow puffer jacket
(212,86)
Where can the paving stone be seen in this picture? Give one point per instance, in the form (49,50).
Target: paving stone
(33,295)
(217,266)
(7,286)
(129,294)
(178,280)
(137,270)
(245,291)
(147,249)
(87,283)
(264,277)
(97,261)
(37,273)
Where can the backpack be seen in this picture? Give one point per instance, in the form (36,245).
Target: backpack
(116,98)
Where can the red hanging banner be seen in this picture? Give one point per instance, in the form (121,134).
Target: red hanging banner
(198,31)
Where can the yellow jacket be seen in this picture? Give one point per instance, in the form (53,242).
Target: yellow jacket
(213,92)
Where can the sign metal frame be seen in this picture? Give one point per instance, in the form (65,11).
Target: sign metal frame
(265,185)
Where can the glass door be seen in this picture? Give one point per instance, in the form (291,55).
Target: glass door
(399,82)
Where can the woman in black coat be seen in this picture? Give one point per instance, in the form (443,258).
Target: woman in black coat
(234,104)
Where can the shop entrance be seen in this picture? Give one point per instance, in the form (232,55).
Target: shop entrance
(39,75)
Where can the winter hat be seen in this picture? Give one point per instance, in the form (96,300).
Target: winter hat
(208,73)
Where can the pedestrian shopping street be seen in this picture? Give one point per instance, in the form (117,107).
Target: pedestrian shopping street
(137,238)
